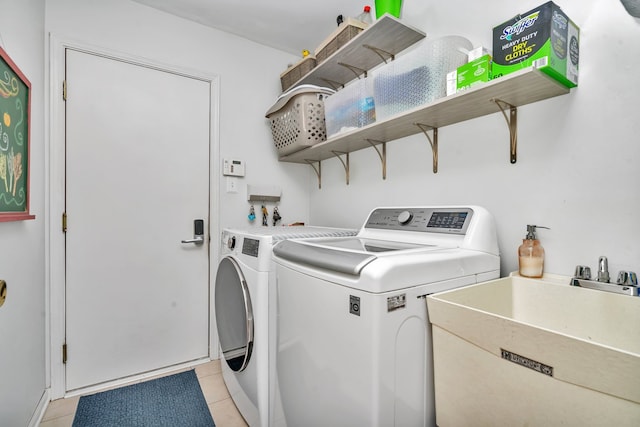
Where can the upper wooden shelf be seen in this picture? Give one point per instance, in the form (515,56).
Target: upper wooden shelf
(363,52)
(519,88)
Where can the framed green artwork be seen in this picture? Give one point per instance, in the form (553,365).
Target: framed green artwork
(15,107)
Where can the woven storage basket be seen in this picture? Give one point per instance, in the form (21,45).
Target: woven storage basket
(341,36)
(298,122)
(295,72)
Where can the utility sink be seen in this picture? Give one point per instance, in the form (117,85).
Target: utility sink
(518,351)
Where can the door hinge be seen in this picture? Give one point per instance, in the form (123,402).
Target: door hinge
(64,222)
(64,353)
(64,90)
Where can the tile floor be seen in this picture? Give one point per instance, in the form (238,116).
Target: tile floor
(60,412)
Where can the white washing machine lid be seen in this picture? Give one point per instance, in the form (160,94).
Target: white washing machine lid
(346,255)
(379,272)
(372,246)
(400,247)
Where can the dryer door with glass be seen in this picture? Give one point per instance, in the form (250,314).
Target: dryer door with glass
(234,314)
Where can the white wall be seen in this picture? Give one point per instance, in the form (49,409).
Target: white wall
(22,265)
(578,168)
(248,78)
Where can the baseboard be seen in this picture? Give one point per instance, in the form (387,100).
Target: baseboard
(41,408)
(174,369)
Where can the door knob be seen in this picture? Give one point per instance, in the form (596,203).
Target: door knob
(198,232)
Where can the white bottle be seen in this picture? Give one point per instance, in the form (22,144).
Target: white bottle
(365,16)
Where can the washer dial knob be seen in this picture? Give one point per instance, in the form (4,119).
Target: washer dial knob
(405,217)
(231,242)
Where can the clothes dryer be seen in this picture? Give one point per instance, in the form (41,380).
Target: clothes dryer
(242,298)
(353,335)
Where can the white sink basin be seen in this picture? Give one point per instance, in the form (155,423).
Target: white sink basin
(578,351)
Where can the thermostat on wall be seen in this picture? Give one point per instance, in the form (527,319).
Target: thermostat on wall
(233,167)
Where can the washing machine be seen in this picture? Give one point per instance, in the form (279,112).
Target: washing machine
(242,300)
(353,344)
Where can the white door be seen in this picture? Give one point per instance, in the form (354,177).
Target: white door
(137,176)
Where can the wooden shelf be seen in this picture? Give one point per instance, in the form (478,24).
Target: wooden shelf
(363,52)
(520,88)
(382,41)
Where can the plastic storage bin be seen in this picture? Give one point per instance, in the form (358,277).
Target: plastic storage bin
(297,118)
(419,76)
(350,108)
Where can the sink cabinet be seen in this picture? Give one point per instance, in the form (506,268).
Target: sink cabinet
(516,349)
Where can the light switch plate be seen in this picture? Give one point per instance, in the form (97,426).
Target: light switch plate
(232,184)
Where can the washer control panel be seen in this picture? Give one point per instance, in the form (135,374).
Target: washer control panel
(405,217)
(431,220)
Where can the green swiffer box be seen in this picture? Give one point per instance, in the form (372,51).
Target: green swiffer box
(474,72)
(544,38)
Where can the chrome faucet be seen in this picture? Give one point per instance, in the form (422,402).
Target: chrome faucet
(627,282)
(603,269)
(627,278)
(582,272)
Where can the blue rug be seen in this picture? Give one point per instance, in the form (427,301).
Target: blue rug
(172,401)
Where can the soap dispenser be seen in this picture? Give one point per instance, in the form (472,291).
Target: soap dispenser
(531,254)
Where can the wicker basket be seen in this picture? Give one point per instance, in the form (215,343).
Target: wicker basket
(298,122)
(295,72)
(341,36)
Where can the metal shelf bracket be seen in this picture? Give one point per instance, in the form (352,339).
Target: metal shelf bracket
(432,141)
(380,52)
(355,70)
(346,165)
(318,170)
(383,155)
(512,122)
(334,84)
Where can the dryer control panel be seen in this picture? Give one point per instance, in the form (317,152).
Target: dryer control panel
(432,220)
(250,247)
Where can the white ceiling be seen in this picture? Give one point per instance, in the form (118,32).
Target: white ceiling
(288,25)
